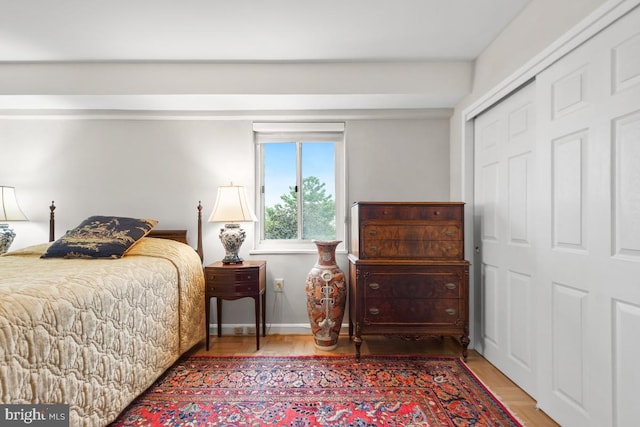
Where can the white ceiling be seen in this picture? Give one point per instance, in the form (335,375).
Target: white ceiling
(249,31)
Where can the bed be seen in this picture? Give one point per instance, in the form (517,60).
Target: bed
(96,333)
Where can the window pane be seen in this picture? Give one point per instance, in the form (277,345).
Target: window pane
(318,191)
(280,199)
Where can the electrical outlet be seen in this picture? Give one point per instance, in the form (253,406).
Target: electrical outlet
(278,285)
(251,330)
(238,330)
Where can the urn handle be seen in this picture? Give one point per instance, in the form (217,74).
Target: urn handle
(450,286)
(374,285)
(374,311)
(450,311)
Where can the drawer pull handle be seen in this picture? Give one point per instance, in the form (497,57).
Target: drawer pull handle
(374,311)
(374,285)
(373,248)
(450,286)
(373,232)
(449,233)
(450,311)
(436,213)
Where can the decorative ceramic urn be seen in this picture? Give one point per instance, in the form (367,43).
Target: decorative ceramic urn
(326,290)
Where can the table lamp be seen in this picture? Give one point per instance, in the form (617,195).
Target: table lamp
(9,211)
(232,207)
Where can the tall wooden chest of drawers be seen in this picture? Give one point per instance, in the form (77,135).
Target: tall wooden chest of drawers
(408,276)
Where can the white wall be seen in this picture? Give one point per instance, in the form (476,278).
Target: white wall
(161,168)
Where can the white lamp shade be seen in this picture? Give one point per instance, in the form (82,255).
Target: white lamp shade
(232,206)
(9,208)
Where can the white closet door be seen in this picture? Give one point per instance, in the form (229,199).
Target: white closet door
(588,154)
(504,185)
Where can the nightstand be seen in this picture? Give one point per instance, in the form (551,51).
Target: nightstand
(232,282)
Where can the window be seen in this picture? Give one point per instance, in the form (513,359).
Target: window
(301,185)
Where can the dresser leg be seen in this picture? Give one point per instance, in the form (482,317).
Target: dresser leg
(358,342)
(464,340)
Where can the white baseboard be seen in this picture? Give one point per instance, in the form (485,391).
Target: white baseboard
(278,328)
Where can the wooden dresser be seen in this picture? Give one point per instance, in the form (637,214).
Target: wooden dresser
(408,276)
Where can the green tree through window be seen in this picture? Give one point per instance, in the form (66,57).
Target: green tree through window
(318,213)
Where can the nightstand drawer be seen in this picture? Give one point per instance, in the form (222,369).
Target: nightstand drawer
(231,289)
(232,277)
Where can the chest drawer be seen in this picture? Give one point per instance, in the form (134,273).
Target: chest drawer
(408,211)
(411,311)
(412,249)
(414,285)
(412,230)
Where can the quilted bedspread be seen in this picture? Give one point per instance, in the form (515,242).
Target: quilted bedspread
(96,333)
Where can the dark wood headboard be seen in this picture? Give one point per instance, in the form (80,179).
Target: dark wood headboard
(177,235)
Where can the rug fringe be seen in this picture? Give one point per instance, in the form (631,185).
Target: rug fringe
(492,393)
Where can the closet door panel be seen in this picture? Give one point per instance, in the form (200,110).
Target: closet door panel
(588,259)
(505,140)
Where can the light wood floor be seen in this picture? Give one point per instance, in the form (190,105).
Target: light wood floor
(520,403)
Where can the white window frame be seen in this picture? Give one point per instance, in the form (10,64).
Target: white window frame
(267,133)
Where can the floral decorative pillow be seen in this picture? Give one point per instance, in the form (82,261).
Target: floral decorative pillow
(100,237)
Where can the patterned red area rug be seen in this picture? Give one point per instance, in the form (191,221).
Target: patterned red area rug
(318,391)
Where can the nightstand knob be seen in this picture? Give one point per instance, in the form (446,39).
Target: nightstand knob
(374,285)
(450,311)
(450,286)
(374,311)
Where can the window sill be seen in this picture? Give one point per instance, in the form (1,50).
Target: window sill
(291,251)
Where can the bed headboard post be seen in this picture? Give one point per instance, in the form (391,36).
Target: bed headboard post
(200,250)
(52,222)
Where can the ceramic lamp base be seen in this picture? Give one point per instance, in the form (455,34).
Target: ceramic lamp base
(6,238)
(232,237)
